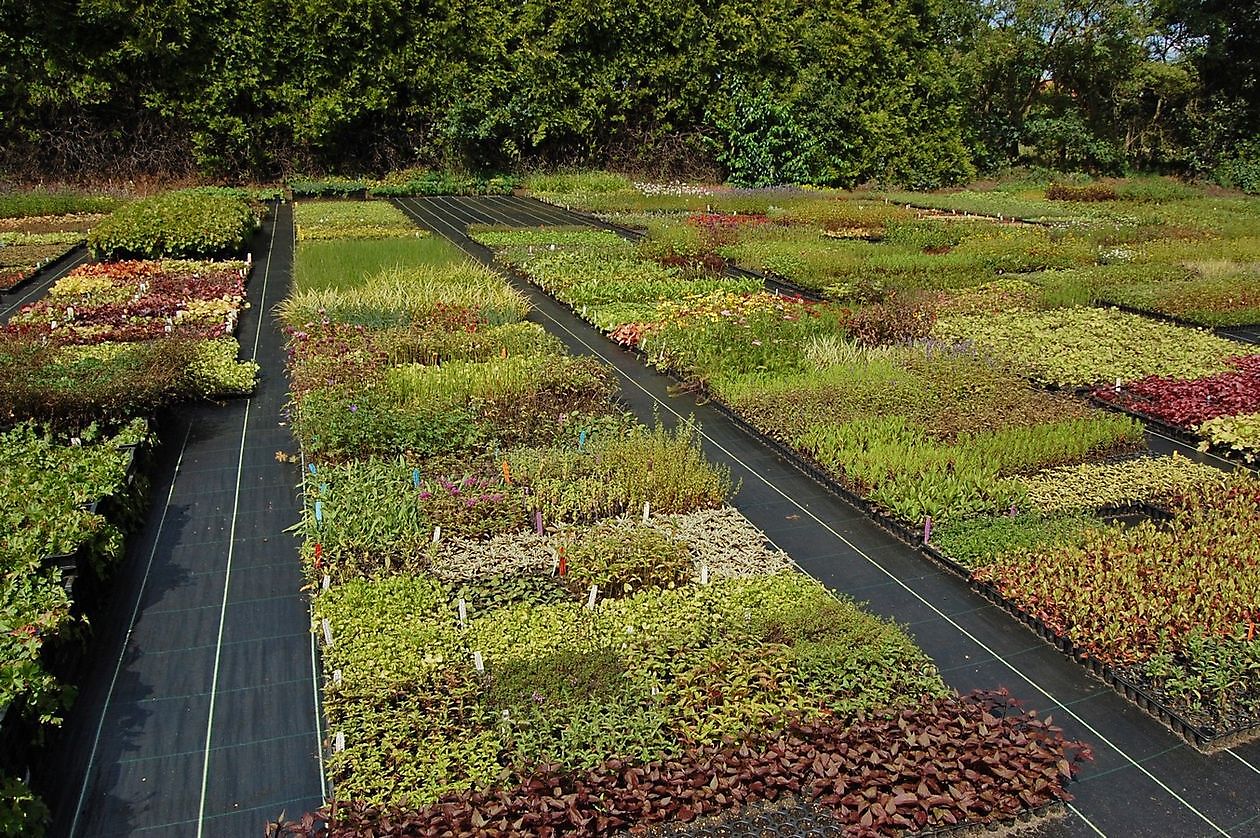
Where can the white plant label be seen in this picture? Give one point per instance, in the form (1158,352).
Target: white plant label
(590,599)
(479,663)
(437,534)
(647,510)
(336,676)
(704,573)
(463,613)
(327,581)
(327,632)
(339,742)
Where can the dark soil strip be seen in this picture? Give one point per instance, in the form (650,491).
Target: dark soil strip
(976,644)
(37,284)
(198,715)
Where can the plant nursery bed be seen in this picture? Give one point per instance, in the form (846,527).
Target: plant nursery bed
(1204,736)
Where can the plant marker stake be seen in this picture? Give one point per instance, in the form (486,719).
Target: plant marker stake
(327,581)
(647,509)
(327,632)
(478,662)
(437,534)
(581,440)
(319,511)
(336,676)
(927,529)
(463,613)
(415,477)
(564,563)
(538,521)
(590,599)
(507,473)
(339,743)
(704,573)
(1117,385)
(311,466)
(323,488)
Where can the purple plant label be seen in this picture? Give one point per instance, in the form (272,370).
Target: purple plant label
(538,524)
(927,529)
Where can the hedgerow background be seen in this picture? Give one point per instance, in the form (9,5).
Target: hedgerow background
(917,92)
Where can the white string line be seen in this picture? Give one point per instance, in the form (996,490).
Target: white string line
(131,625)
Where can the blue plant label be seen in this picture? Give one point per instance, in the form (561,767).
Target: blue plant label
(581,440)
(319,511)
(311,466)
(415,477)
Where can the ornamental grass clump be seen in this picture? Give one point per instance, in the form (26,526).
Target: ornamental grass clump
(616,474)
(620,558)
(462,297)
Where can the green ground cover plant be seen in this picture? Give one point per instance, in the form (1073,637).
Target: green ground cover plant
(321,220)
(420,181)
(188,224)
(1080,347)
(1091,486)
(475,404)
(332,264)
(978,541)
(40,202)
(1239,433)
